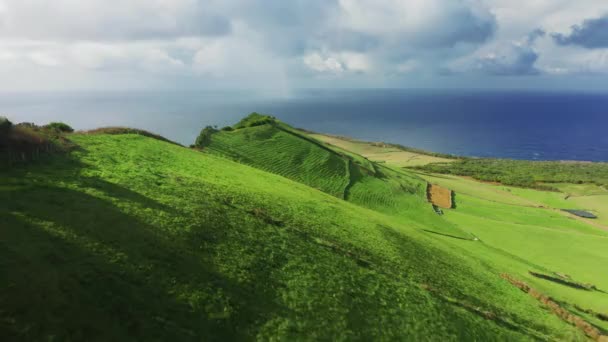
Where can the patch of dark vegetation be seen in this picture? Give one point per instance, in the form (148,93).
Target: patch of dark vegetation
(524,173)
(580,213)
(354,175)
(127,130)
(378,172)
(204,138)
(589,329)
(27,142)
(598,315)
(565,281)
(255,119)
(5,126)
(59,126)
(437,210)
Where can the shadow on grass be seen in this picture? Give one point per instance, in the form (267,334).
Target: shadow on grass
(443,288)
(569,283)
(448,235)
(75,267)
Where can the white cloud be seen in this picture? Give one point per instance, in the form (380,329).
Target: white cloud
(280,42)
(337,63)
(421,22)
(319,63)
(104,20)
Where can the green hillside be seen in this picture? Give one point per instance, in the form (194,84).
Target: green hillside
(271,145)
(131,237)
(278,151)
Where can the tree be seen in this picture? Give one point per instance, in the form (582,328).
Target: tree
(204,138)
(60,127)
(5,128)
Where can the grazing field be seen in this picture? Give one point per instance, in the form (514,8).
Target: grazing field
(272,149)
(590,197)
(528,224)
(134,238)
(276,147)
(129,237)
(524,224)
(532,174)
(380,152)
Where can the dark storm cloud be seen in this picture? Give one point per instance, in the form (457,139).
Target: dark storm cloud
(293,28)
(520,63)
(591,34)
(464,27)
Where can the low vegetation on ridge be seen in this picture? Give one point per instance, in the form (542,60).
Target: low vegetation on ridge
(525,173)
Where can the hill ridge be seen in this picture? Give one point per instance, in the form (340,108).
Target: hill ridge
(127,237)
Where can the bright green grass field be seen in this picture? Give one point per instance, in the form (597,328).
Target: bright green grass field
(526,225)
(272,149)
(280,149)
(130,238)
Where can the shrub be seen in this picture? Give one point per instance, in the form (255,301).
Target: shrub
(5,128)
(204,138)
(255,119)
(227,129)
(29,125)
(5,125)
(60,127)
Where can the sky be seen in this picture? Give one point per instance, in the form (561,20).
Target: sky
(289,44)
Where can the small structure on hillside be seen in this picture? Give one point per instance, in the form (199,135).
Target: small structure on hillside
(580,213)
(440,196)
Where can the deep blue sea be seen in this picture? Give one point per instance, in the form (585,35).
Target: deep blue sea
(506,124)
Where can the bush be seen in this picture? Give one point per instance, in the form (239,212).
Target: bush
(227,129)
(5,128)
(5,124)
(255,119)
(29,125)
(60,127)
(204,138)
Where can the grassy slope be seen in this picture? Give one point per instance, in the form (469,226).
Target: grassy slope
(136,238)
(526,225)
(379,153)
(282,150)
(524,230)
(269,148)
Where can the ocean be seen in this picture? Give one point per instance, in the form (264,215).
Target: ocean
(500,124)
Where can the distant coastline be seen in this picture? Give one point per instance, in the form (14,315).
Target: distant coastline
(566,126)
